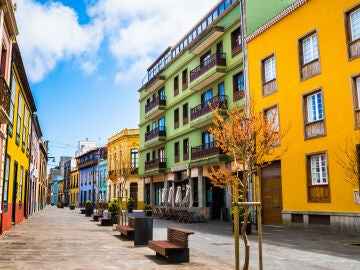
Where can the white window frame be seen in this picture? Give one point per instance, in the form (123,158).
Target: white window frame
(315,112)
(318,169)
(310,49)
(269,69)
(354,20)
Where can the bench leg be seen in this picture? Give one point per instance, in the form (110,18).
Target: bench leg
(178,256)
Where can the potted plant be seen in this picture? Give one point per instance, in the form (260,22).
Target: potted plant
(89,208)
(147,210)
(72,206)
(113,208)
(130,205)
(60,205)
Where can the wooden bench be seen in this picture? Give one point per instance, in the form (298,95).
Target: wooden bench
(98,214)
(175,248)
(106,221)
(127,230)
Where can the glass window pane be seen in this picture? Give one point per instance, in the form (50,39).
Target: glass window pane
(355,24)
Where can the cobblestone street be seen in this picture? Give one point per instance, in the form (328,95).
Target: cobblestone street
(63,239)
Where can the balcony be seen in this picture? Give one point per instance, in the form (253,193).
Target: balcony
(156,164)
(154,83)
(155,136)
(201,115)
(209,71)
(4,101)
(211,35)
(205,150)
(155,107)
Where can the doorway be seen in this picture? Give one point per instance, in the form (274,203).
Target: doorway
(15,187)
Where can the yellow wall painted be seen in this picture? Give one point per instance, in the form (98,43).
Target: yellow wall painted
(15,151)
(334,79)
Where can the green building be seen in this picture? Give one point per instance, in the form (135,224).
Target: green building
(203,70)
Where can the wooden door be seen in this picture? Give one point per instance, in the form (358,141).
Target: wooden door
(271,194)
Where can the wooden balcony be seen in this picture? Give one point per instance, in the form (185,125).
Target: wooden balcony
(4,101)
(212,34)
(201,115)
(158,132)
(205,150)
(208,71)
(87,163)
(159,163)
(154,83)
(155,107)
(236,49)
(238,94)
(269,87)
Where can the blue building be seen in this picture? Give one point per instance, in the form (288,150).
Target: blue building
(55,192)
(103,174)
(88,165)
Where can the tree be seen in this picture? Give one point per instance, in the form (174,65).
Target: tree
(350,162)
(249,139)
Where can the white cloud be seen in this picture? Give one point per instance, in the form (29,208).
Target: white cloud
(50,33)
(135,33)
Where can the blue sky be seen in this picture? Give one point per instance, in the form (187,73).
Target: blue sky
(85,61)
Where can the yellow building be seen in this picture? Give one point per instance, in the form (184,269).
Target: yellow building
(122,164)
(74,185)
(17,162)
(305,64)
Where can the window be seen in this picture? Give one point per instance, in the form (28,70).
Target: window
(318,170)
(206,97)
(184,79)
(221,91)
(176,118)
(236,47)
(18,124)
(272,116)
(12,102)
(356,100)
(269,75)
(176,152)
(205,59)
(6,183)
(134,158)
(314,107)
(24,129)
(176,86)
(314,115)
(309,56)
(207,140)
(161,93)
(353,32)
(185,114)
(318,179)
(161,153)
(238,86)
(21,183)
(161,124)
(185,149)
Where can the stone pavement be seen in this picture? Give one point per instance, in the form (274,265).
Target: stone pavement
(63,239)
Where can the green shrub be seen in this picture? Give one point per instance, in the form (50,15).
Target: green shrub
(113,206)
(130,203)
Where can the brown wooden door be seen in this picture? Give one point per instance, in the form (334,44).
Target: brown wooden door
(271,197)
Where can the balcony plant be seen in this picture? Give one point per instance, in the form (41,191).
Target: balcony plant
(130,205)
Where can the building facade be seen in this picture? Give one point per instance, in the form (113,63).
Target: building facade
(103,175)
(17,162)
(74,183)
(122,166)
(88,173)
(8,31)
(311,78)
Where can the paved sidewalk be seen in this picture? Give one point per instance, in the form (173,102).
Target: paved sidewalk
(63,239)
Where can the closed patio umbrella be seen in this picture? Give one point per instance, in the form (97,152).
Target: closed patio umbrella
(188,199)
(178,196)
(171,196)
(163,195)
